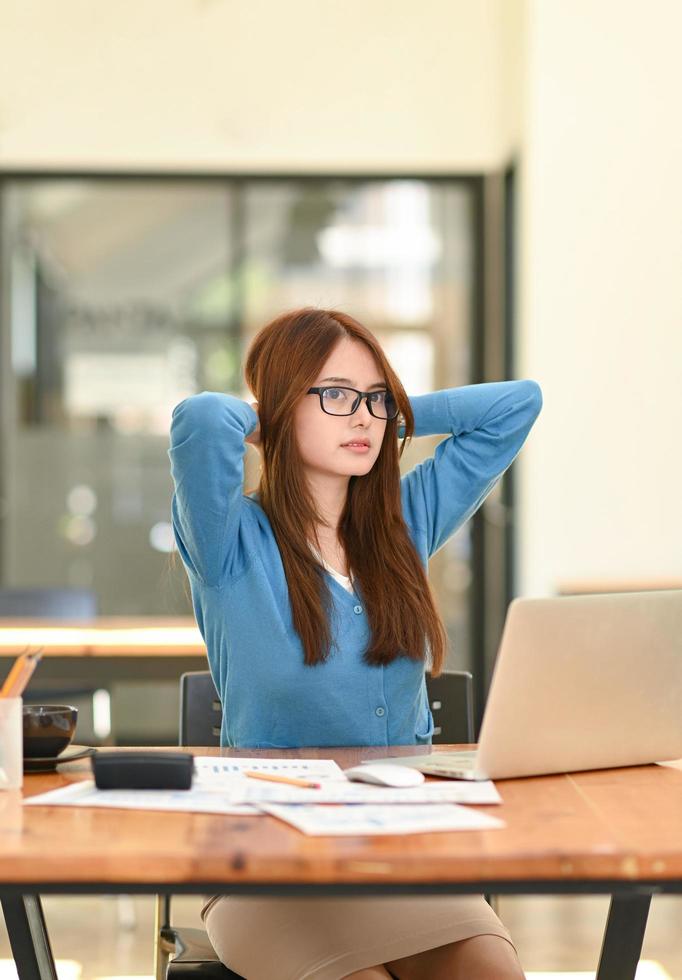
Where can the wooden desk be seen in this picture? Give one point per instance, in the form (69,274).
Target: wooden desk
(120,647)
(609,831)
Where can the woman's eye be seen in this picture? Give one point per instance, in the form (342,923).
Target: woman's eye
(378,397)
(334,394)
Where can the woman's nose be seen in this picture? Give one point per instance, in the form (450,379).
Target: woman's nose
(363,409)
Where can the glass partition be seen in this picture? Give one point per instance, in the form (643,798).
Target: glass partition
(122,296)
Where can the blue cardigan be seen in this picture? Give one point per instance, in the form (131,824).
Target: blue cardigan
(239,590)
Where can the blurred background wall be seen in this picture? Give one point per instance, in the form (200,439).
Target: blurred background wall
(230,84)
(600,323)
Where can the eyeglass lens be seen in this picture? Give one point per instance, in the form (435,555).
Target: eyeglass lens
(340,401)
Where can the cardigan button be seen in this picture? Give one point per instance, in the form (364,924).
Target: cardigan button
(380,712)
(357,610)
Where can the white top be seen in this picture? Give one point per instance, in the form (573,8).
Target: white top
(343,580)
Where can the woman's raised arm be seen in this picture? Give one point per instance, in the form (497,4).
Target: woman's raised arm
(488,425)
(207,446)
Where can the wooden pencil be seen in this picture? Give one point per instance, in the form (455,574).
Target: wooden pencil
(291,780)
(20,674)
(15,669)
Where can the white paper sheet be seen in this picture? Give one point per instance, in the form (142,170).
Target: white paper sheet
(211,773)
(341,820)
(245,796)
(343,791)
(220,786)
(85,793)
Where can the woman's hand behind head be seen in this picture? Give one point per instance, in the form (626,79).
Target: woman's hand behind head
(254,437)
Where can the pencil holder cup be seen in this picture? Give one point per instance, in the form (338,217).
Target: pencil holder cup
(11,744)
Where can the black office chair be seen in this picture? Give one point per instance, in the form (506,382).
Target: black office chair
(450,698)
(201,713)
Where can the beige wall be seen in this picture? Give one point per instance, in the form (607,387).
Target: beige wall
(601,308)
(588,93)
(251,84)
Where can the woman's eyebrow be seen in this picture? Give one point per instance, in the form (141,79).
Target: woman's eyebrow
(377,384)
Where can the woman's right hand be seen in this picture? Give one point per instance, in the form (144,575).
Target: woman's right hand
(254,437)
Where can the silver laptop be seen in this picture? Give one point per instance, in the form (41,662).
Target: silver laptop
(580,682)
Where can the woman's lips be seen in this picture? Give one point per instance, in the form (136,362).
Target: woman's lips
(356,447)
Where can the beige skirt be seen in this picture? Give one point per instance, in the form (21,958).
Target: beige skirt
(264,938)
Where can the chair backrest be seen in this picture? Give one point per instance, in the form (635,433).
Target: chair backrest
(48,603)
(450,697)
(200,711)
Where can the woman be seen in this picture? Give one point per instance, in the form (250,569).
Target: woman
(312,596)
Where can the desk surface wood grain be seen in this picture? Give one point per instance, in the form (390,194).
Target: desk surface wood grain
(617,824)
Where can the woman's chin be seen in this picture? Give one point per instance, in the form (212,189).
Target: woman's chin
(359,469)
(355,468)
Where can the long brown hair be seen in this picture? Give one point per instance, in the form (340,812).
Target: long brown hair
(282,362)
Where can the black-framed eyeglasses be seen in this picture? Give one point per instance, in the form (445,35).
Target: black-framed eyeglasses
(346,401)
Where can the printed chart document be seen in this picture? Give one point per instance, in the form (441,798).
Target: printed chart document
(220,786)
(320,821)
(336,788)
(215,771)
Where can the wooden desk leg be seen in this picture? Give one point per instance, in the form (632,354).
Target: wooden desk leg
(623,938)
(28,937)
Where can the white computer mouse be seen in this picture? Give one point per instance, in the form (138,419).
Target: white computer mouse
(386,775)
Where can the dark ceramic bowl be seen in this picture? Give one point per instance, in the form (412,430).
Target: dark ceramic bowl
(48,729)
